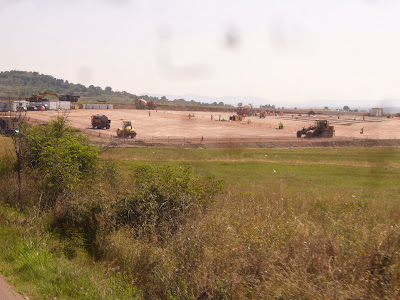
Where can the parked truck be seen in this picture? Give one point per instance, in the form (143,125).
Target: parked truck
(246,111)
(100,122)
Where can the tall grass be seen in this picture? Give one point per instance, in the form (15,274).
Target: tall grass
(273,245)
(291,224)
(307,224)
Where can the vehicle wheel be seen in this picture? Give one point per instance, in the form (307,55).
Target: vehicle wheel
(309,135)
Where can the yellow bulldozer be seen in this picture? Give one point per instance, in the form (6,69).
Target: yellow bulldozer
(321,129)
(126,130)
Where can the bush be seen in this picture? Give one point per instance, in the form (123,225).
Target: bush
(62,158)
(84,217)
(163,197)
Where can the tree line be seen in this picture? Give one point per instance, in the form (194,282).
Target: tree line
(24,84)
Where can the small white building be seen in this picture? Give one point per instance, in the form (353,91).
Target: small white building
(19,105)
(97,106)
(56,105)
(376,112)
(13,105)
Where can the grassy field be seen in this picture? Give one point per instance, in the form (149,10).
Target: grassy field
(361,170)
(291,224)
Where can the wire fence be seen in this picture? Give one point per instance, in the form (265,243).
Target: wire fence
(234,142)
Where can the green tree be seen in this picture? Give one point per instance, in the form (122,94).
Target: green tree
(346,108)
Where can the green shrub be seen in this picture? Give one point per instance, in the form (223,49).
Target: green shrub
(162,197)
(83,218)
(60,156)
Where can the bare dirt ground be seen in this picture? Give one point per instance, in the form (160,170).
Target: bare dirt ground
(163,125)
(7,292)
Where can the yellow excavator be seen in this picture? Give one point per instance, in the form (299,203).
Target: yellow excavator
(126,130)
(39,97)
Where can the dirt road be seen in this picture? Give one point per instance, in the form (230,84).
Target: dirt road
(7,292)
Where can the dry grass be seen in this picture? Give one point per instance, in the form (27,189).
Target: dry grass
(281,245)
(324,226)
(6,146)
(308,231)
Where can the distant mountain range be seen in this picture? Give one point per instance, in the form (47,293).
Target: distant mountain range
(257,101)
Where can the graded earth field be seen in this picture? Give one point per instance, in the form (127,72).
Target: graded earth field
(177,124)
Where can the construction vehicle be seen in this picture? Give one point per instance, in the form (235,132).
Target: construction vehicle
(126,130)
(244,110)
(100,122)
(236,118)
(321,129)
(143,104)
(70,98)
(263,114)
(40,97)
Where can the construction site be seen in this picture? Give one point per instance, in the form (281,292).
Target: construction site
(199,128)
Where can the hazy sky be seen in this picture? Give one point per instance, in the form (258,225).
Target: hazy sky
(285,51)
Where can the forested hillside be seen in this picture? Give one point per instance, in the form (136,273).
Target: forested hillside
(21,84)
